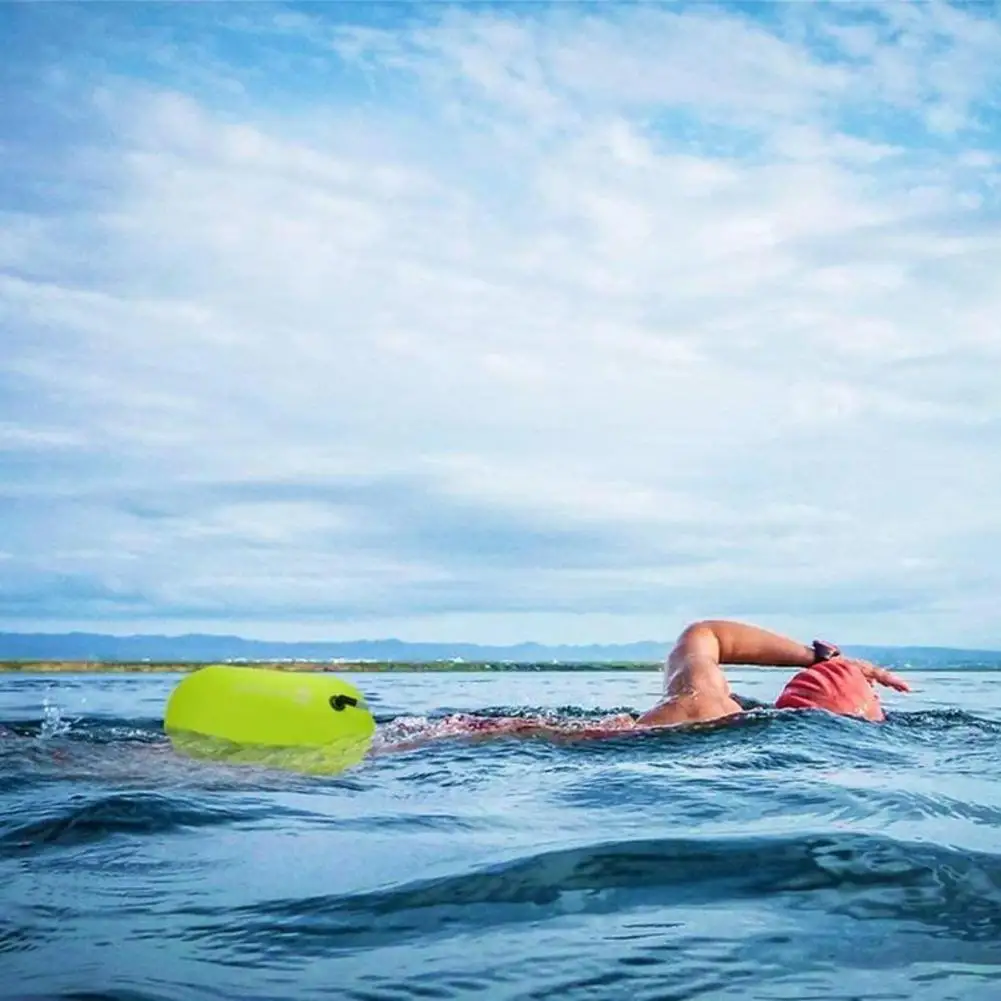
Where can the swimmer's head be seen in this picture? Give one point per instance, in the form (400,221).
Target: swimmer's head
(838,686)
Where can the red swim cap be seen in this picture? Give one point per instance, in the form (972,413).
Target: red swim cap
(837,685)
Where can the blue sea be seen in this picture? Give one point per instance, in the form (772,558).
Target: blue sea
(780,856)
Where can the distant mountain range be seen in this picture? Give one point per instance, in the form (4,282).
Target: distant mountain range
(194,648)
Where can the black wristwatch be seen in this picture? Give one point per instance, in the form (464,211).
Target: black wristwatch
(824,651)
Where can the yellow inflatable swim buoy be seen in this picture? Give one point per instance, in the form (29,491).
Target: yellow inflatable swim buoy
(290,719)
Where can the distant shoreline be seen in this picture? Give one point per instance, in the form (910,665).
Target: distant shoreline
(359,667)
(97,667)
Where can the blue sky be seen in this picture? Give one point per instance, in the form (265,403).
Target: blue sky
(501,322)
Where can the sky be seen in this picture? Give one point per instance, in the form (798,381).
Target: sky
(569,323)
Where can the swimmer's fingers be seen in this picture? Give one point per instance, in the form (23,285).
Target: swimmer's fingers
(894,681)
(881,676)
(886,678)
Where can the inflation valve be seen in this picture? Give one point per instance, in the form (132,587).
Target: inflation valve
(341,702)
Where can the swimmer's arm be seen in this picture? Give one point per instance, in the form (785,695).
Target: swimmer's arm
(695,662)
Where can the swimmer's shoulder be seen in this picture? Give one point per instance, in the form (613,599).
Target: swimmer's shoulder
(690,708)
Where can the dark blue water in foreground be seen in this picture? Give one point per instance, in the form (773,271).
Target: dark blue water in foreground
(788,855)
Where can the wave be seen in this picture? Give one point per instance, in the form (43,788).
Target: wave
(116,995)
(54,725)
(113,730)
(105,816)
(137,752)
(948,892)
(944,721)
(851,738)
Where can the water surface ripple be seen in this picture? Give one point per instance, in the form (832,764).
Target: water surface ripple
(785,855)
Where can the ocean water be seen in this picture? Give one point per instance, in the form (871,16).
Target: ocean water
(781,856)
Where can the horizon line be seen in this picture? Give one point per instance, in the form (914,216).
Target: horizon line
(446,642)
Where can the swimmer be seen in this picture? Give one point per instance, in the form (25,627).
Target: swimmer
(696,689)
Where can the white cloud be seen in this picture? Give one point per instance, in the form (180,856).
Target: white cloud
(14,437)
(649,312)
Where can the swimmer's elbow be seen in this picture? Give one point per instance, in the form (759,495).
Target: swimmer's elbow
(698,639)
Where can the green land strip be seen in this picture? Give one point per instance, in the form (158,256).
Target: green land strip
(371,667)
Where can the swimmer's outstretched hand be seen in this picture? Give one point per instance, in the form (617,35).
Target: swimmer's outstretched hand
(881,676)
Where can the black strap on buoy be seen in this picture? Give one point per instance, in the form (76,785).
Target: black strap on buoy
(341,702)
